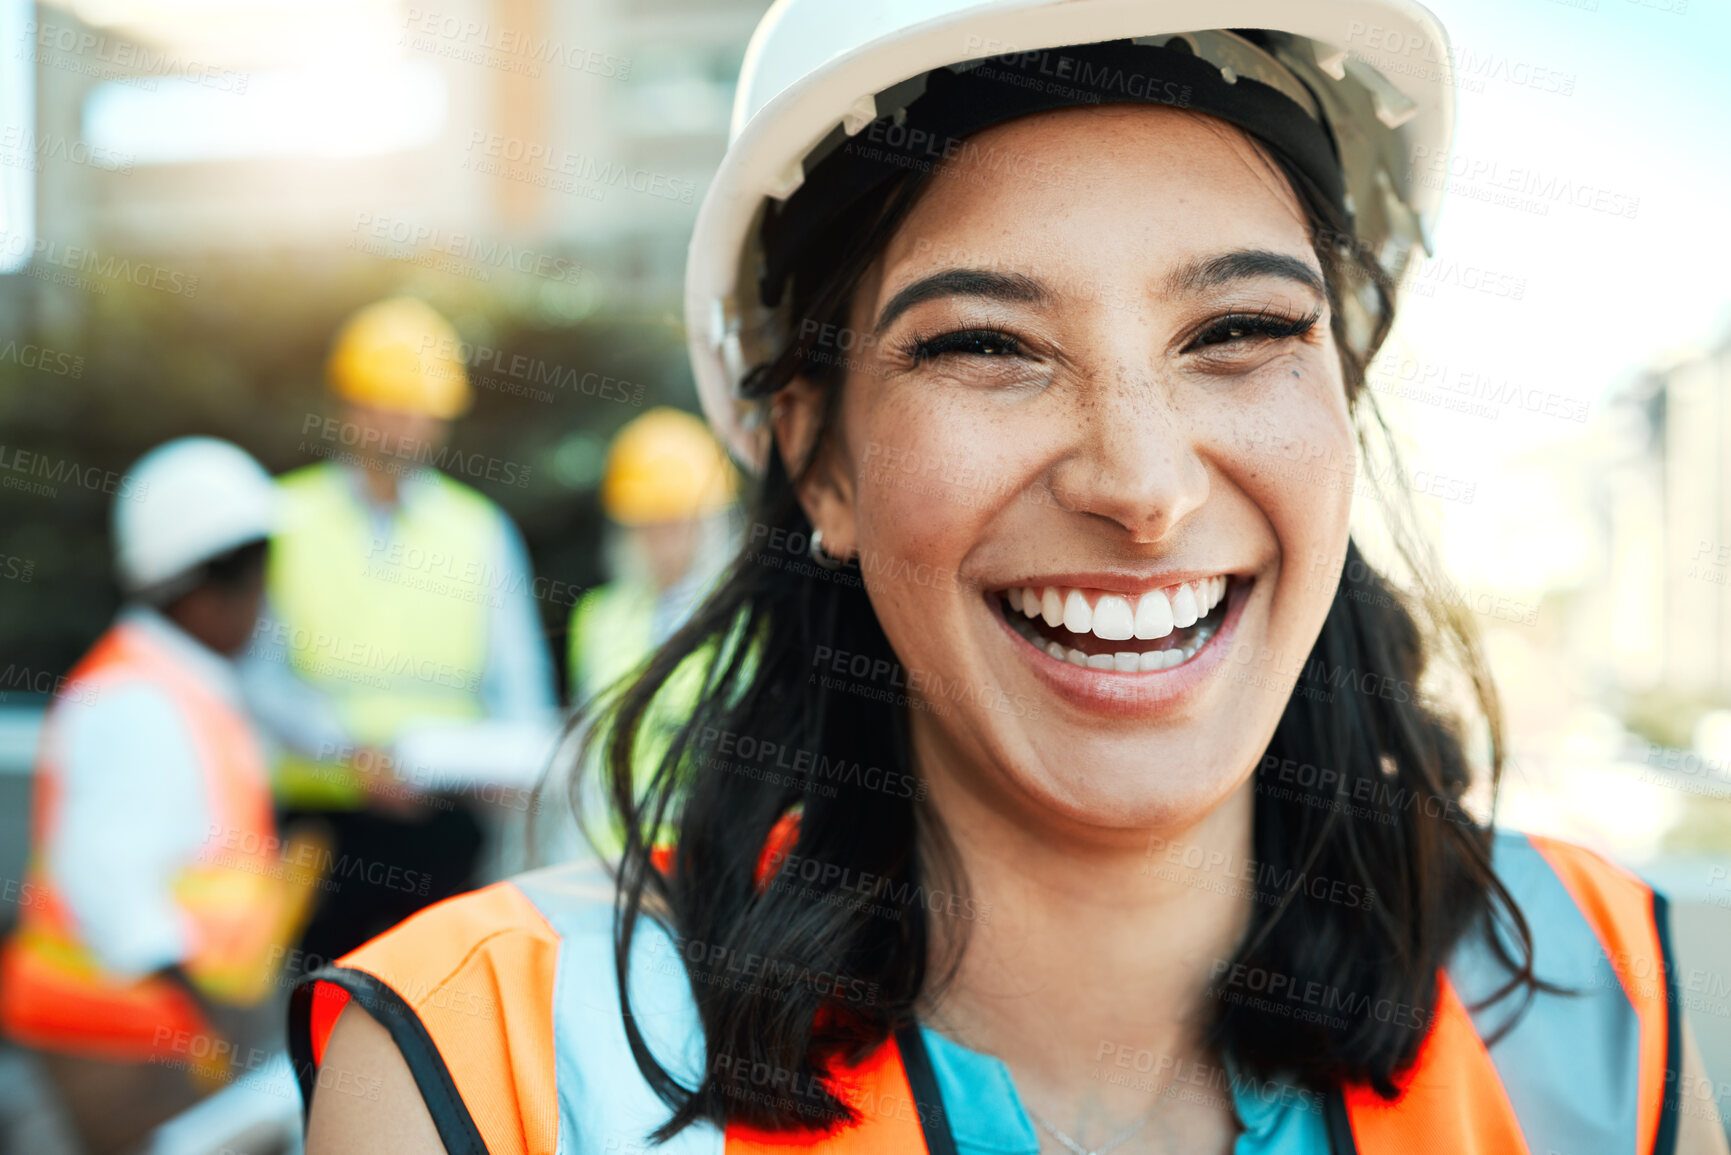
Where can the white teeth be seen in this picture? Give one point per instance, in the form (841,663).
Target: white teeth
(1113,621)
(1112,618)
(1184,607)
(1153,616)
(1078,618)
(1121,662)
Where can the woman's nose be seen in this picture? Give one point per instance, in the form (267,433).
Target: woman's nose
(1134,459)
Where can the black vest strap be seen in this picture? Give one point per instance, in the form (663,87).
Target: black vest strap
(1340,1140)
(444,1102)
(928,1100)
(1665,1141)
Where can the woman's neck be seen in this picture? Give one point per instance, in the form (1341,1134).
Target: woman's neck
(1088,960)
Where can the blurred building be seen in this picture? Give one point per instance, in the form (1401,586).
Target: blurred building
(1690,402)
(472,136)
(1646,609)
(1659,479)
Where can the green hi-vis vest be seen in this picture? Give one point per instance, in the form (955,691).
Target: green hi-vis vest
(392,628)
(611,637)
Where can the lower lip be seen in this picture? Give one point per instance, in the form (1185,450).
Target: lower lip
(1121,694)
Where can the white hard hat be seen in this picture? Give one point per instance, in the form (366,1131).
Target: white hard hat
(185,502)
(1375,76)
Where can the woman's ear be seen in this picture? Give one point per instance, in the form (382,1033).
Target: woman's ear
(825,490)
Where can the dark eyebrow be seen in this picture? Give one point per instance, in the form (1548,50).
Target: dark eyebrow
(1243,264)
(963,283)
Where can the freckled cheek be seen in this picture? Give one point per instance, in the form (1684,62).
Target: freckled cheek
(915,515)
(1307,499)
(910,536)
(928,483)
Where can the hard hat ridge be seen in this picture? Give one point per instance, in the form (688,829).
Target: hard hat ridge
(960,100)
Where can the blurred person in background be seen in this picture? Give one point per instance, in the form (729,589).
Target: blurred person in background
(161,909)
(667,489)
(402,653)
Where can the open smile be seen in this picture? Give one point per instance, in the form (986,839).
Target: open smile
(1157,629)
(1124,650)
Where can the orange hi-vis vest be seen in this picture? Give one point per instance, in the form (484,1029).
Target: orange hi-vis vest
(54,992)
(504,1003)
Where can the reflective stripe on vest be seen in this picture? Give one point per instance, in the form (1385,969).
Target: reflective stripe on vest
(54,993)
(390,629)
(1582,1073)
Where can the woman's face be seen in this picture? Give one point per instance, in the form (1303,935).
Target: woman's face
(1103,390)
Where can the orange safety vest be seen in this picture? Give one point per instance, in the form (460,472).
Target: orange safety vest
(498,1001)
(54,993)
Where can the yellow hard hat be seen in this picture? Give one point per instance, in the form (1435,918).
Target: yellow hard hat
(400,354)
(665,466)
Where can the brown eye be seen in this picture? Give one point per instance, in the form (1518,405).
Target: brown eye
(967,342)
(1253,326)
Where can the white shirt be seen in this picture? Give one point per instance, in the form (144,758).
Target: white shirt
(134,808)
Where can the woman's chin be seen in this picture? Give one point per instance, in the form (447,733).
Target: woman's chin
(1088,783)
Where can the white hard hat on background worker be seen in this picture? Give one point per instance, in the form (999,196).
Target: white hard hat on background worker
(185,502)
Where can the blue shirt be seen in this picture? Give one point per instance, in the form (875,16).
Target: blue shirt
(986,1114)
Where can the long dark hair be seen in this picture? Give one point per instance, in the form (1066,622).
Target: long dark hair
(1361,786)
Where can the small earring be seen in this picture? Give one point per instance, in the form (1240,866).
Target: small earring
(822,556)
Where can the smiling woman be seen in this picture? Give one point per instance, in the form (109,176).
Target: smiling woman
(1141,831)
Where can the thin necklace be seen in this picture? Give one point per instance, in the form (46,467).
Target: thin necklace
(1076,1148)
